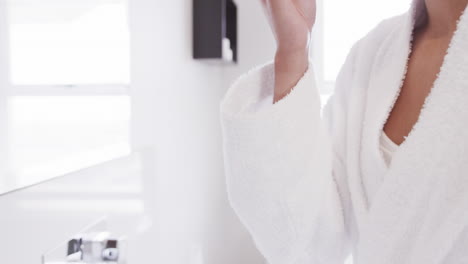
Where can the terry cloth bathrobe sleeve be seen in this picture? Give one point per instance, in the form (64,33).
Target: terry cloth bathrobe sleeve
(286,180)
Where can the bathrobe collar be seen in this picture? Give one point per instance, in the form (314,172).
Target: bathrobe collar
(386,78)
(421,203)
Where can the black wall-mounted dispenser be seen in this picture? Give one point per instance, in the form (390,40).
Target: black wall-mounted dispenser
(215,30)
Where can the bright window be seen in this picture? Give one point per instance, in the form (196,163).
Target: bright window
(62,132)
(68,104)
(63,42)
(345,22)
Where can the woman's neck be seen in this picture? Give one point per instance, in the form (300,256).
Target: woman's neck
(442,16)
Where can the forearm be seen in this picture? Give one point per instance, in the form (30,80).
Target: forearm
(289,69)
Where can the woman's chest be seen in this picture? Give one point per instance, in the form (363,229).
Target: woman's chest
(418,206)
(423,67)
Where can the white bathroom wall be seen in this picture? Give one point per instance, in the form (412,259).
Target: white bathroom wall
(4,83)
(176,112)
(256,42)
(178,206)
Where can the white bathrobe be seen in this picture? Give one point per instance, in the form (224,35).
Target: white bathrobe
(314,188)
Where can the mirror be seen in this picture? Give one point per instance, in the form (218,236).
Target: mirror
(64,78)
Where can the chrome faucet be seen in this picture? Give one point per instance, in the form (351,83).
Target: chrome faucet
(93,248)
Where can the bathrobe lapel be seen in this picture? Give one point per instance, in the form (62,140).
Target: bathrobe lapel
(420,207)
(386,76)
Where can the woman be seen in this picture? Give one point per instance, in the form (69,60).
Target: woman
(382,174)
